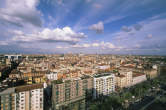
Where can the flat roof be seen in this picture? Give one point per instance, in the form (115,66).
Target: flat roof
(28,87)
(7,91)
(136,74)
(101,75)
(85,77)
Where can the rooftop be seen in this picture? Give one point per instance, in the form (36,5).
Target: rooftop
(136,74)
(101,75)
(121,75)
(85,77)
(57,81)
(7,91)
(28,87)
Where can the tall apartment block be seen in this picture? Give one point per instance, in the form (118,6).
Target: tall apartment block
(70,94)
(8,99)
(28,97)
(104,84)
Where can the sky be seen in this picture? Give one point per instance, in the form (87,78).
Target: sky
(83,26)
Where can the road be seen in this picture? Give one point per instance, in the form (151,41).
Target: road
(151,102)
(142,103)
(144,107)
(145,102)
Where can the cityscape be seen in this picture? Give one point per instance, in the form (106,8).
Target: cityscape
(82,55)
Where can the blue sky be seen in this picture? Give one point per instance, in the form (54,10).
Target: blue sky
(83,26)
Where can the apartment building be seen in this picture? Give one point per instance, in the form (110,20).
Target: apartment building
(121,81)
(71,93)
(128,77)
(138,78)
(104,84)
(13,57)
(8,99)
(29,97)
(52,75)
(151,73)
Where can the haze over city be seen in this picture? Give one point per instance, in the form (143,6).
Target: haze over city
(83,26)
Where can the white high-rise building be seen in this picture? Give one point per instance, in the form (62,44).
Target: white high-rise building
(29,97)
(52,76)
(104,84)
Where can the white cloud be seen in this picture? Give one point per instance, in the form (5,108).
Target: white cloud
(17,32)
(65,34)
(99,27)
(86,45)
(60,47)
(81,45)
(107,45)
(77,46)
(95,44)
(142,37)
(102,45)
(20,12)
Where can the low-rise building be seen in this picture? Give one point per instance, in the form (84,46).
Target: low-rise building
(138,78)
(151,73)
(121,81)
(128,77)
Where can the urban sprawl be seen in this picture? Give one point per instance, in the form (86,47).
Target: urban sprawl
(77,81)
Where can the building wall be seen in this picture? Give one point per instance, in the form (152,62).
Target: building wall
(52,76)
(103,85)
(151,73)
(70,91)
(138,79)
(29,97)
(121,81)
(129,78)
(7,99)
(7,102)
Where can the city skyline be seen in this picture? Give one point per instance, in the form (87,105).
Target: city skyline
(83,26)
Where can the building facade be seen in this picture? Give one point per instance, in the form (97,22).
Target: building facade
(70,94)
(121,81)
(138,78)
(8,99)
(128,77)
(29,97)
(104,84)
(52,76)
